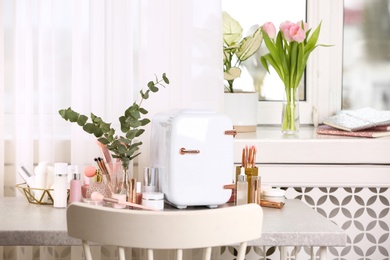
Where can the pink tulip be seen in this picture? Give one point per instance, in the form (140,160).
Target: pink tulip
(269,29)
(305,25)
(297,33)
(285,28)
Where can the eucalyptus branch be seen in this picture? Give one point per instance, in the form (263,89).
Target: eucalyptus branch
(121,146)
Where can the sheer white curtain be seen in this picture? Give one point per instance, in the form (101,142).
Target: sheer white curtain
(95,55)
(59,54)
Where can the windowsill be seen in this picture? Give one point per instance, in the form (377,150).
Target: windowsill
(311,148)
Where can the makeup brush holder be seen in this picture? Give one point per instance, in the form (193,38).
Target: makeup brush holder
(249,172)
(100,187)
(45,198)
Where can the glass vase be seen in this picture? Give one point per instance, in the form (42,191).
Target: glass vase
(290,113)
(127,186)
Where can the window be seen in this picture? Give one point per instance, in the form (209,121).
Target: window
(322,95)
(366,77)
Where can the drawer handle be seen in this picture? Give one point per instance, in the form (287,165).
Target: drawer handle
(185,151)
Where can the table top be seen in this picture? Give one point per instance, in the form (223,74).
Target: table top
(296,224)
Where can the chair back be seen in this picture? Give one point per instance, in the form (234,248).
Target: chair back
(168,229)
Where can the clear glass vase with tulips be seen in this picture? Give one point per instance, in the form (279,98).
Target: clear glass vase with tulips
(289,51)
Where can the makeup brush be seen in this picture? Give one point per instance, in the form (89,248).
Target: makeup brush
(106,154)
(96,196)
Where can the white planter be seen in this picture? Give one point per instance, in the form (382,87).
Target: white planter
(241,108)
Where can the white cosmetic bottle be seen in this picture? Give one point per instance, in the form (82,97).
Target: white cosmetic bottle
(75,185)
(60,185)
(40,179)
(242,188)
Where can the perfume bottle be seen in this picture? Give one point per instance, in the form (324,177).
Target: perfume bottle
(242,188)
(75,185)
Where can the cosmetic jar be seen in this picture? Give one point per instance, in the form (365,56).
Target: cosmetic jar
(153,199)
(92,202)
(120,198)
(274,195)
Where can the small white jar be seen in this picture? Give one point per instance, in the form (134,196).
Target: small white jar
(274,194)
(153,199)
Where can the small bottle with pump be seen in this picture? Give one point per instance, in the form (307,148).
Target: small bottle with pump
(60,185)
(242,188)
(75,185)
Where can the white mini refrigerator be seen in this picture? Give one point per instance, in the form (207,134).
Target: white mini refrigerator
(193,151)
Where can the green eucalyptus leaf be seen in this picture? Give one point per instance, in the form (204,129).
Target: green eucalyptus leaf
(62,113)
(165,79)
(132,157)
(89,128)
(131,134)
(72,115)
(153,88)
(143,111)
(144,121)
(145,95)
(82,120)
(134,123)
(103,141)
(140,132)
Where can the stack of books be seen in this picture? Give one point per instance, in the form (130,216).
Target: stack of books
(364,122)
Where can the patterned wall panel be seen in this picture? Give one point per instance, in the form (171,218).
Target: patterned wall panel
(362,212)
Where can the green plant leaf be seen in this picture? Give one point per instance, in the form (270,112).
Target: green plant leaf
(164,77)
(250,45)
(82,120)
(144,121)
(232,73)
(231,29)
(120,147)
(152,87)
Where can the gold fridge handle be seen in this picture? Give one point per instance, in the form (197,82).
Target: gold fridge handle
(231,132)
(185,151)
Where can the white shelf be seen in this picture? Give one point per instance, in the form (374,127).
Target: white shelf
(310,148)
(311,160)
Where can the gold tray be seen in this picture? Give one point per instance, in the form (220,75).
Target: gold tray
(31,194)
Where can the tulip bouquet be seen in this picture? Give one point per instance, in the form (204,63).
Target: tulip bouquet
(289,51)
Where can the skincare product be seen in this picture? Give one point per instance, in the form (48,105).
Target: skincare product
(75,185)
(139,193)
(131,193)
(151,179)
(271,204)
(255,189)
(242,188)
(153,200)
(60,185)
(84,188)
(40,179)
(274,195)
(27,176)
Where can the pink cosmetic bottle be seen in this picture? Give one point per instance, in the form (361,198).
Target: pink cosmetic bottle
(75,185)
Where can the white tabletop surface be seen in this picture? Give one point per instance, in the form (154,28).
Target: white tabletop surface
(296,224)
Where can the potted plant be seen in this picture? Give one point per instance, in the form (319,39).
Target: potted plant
(240,106)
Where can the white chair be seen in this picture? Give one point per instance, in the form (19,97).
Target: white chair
(168,229)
